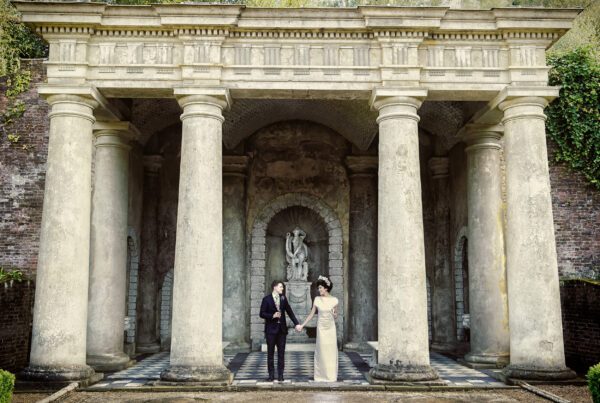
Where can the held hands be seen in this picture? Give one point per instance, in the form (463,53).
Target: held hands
(299,328)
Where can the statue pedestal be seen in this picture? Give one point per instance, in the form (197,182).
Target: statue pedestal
(298,295)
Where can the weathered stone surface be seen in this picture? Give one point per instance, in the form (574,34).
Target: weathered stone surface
(536,336)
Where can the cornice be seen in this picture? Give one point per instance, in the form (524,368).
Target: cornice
(177,19)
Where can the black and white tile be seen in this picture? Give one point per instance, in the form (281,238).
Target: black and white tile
(251,369)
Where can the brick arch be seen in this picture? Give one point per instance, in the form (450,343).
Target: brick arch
(258,251)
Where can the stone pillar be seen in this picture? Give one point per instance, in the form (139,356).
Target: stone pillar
(488,306)
(58,341)
(536,336)
(147,335)
(401,286)
(108,259)
(235,310)
(362,278)
(442,296)
(196,341)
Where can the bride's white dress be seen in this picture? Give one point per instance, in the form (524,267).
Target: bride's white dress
(326,352)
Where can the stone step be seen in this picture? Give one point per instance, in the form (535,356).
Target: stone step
(293,347)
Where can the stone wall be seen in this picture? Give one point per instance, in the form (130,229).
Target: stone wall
(16,315)
(580,302)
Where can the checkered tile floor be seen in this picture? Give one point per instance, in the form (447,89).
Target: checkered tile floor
(251,369)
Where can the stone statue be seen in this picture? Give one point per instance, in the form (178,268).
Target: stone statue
(296,255)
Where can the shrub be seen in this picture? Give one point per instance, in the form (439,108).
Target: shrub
(593,378)
(7,383)
(574,118)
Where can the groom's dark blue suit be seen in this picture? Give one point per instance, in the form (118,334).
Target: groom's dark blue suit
(276,331)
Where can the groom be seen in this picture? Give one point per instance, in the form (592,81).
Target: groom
(272,310)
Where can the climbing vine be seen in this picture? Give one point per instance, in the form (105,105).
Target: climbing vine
(574,118)
(16,42)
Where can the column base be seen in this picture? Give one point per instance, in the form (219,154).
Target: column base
(538,374)
(237,347)
(486,360)
(423,374)
(358,347)
(442,346)
(147,348)
(108,362)
(57,374)
(204,375)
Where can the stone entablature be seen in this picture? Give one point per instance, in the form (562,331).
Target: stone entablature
(150,48)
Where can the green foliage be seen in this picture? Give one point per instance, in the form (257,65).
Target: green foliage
(593,378)
(16,42)
(574,118)
(10,275)
(7,384)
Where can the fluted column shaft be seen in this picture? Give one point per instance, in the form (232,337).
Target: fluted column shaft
(108,259)
(488,305)
(401,286)
(536,337)
(442,301)
(196,341)
(58,345)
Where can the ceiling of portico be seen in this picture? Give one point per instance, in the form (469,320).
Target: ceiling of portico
(352,119)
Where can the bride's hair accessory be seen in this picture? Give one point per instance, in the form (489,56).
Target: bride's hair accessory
(325,279)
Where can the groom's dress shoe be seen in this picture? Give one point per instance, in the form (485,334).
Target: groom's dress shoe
(270,379)
(280,379)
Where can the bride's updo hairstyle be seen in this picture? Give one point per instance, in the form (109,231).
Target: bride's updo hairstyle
(325,282)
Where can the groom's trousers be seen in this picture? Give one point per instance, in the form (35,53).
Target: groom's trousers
(278,340)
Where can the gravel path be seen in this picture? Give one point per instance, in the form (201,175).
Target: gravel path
(576,394)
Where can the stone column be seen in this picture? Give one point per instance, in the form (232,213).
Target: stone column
(362,279)
(235,297)
(108,259)
(196,342)
(488,306)
(147,335)
(401,286)
(442,301)
(536,336)
(58,341)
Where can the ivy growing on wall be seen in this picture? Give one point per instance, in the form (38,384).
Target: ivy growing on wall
(16,42)
(574,118)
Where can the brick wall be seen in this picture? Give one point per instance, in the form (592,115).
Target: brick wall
(16,308)
(576,208)
(22,175)
(580,302)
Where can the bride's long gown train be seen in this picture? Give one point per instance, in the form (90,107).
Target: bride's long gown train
(326,352)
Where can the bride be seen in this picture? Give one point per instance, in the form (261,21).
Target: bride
(326,352)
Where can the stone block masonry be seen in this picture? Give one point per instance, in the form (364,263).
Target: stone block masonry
(16,314)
